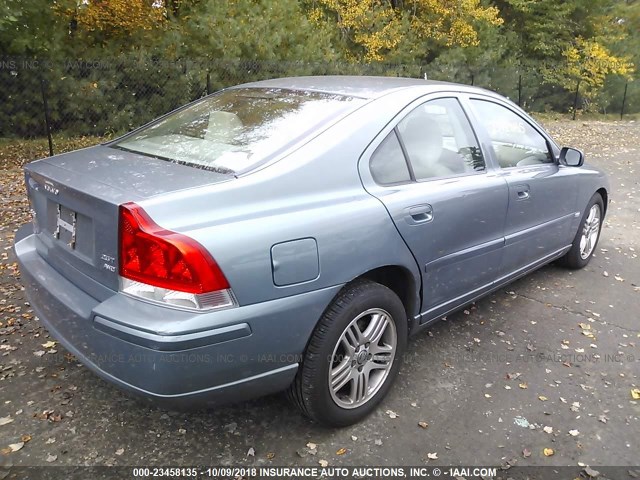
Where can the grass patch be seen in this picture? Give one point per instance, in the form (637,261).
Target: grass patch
(15,152)
(589,117)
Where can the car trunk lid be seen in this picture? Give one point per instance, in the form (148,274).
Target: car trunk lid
(75,197)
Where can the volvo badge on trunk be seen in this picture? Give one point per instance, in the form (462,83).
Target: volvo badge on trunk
(49,187)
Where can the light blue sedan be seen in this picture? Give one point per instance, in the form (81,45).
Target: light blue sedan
(291,234)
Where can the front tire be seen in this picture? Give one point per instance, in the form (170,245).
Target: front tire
(353,356)
(586,239)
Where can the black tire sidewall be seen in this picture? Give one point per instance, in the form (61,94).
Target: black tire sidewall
(363,297)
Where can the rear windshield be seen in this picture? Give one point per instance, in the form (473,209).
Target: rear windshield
(234,130)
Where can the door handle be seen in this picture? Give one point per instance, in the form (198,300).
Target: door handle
(420,214)
(522,191)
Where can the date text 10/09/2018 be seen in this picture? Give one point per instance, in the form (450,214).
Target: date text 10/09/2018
(311,472)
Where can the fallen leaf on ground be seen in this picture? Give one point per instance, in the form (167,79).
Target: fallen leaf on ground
(25,438)
(432,456)
(574,433)
(271,455)
(49,344)
(547,452)
(591,473)
(323,463)
(635,393)
(392,414)
(14,447)
(312,446)
(423,424)
(542,398)
(342,451)
(5,420)
(119,451)
(251,452)
(524,386)
(52,458)
(548,429)
(526,453)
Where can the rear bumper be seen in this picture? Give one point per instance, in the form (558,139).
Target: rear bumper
(178,358)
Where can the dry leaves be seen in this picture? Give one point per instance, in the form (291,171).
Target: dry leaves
(49,415)
(14,447)
(548,452)
(5,420)
(423,424)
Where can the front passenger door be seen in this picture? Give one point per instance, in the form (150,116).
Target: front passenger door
(542,197)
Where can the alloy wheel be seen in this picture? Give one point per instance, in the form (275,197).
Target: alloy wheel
(362,358)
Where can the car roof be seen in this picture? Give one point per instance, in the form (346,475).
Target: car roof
(356,86)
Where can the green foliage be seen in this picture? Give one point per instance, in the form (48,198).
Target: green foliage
(147,57)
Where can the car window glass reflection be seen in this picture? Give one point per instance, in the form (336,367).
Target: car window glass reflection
(515,142)
(388,165)
(235,129)
(439,141)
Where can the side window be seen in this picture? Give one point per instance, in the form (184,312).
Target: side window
(515,142)
(439,140)
(388,164)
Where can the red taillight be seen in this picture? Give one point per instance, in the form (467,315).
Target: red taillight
(162,258)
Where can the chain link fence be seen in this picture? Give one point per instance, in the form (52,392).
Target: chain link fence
(108,97)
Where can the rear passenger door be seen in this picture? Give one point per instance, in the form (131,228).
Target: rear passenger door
(542,196)
(429,172)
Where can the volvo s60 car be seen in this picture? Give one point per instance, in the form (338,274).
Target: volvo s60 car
(291,234)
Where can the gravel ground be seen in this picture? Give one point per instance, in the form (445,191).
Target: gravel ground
(540,373)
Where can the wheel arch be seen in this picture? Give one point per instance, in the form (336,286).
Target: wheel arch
(605,198)
(401,281)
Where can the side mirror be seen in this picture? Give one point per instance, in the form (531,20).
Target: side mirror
(571,157)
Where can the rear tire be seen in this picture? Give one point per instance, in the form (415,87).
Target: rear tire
(586,239)
(353,356)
